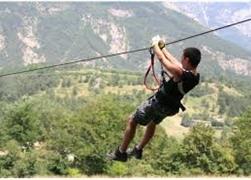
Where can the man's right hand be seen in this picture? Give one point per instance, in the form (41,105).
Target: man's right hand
(155,40)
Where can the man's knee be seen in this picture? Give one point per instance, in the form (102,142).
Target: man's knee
(151,125)
(132,123)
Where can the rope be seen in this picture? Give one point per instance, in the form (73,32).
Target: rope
(124,52)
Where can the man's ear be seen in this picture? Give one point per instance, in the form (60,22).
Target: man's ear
(187,59)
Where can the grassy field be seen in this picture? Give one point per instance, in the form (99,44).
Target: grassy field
(172,126)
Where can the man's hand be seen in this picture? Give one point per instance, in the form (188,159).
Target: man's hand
(169,62)
(161,44)
(156,40)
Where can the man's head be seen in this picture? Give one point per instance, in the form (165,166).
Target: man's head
(191,57)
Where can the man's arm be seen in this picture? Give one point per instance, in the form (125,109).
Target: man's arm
(173,68)
(170,57)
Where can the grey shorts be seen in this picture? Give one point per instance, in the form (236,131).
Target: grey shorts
(152,110)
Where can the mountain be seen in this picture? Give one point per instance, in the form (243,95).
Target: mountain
(215,14)
(56,32)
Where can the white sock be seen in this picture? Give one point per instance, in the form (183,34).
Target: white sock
(137,147)
(121,150)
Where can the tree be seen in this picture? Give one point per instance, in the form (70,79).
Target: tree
(16,162)
(241,141)
(22,124)
(200,154)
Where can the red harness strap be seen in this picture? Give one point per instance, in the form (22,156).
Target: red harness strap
(151,67)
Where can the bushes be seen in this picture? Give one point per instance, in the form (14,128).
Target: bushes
(232,105)
(241,141)
(117,169)
(13,88)
(89,128)
(200,154)
(18,163)
(88,133)
(22,125)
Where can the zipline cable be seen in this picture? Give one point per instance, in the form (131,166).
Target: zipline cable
(124,52)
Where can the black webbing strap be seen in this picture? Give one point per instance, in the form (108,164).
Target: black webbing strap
(182,107)
(163,74)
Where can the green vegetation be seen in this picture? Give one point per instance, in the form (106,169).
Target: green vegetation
(64,122)
(241,141)
(200,154)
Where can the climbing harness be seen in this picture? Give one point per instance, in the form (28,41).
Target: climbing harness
(151,67)
(163,80)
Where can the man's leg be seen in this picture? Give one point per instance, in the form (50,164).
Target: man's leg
(128,135)
(137,151)
(120,153)
(149,132)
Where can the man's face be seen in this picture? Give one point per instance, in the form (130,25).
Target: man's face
(184,61)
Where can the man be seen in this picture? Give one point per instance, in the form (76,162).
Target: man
(165,102)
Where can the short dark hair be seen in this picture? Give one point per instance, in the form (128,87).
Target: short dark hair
(193,54)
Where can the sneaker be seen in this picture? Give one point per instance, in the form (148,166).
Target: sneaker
(117,156)
(137,153)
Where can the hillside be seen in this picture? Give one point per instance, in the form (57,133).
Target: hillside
(43,32)
(214,102)
(62,123)
(213,14)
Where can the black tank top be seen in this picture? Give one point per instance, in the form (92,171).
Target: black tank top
(172,92)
